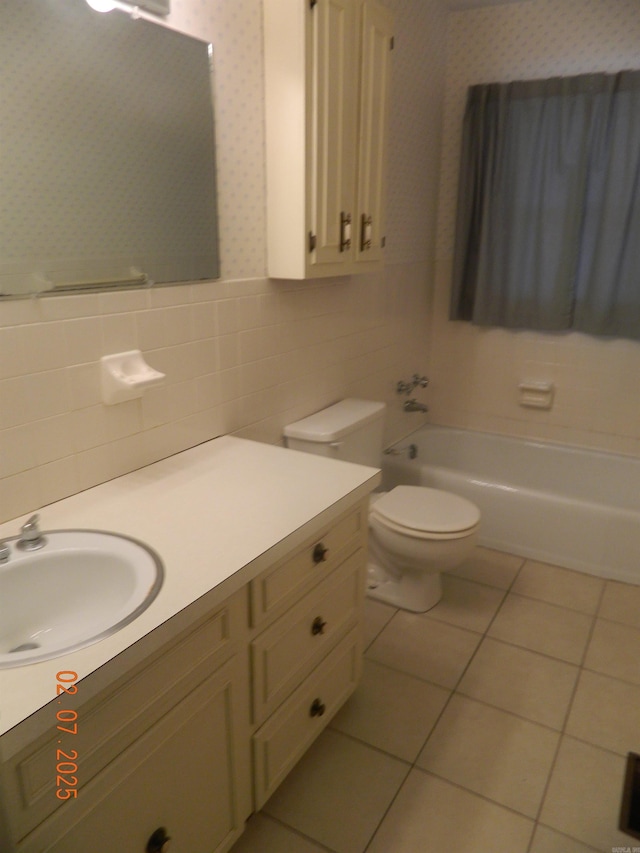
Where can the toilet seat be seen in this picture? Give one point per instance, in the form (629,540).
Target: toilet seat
(425,513)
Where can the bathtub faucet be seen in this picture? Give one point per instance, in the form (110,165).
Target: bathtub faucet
(411,450)
(414,382)
(413,405)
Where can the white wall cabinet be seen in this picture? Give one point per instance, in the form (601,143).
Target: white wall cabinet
(327,78)
(199,734)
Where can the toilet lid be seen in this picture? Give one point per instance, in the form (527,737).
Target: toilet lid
(429,510)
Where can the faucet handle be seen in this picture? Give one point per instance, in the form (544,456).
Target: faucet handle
(421,381)
(30,536)
(30,529)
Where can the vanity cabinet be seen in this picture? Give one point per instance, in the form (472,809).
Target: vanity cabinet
(198,734)
(327,78)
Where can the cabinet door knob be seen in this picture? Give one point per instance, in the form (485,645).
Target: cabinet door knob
(159,841)
(317,708)
(320,553)
(318,625)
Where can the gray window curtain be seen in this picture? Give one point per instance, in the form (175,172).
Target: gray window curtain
(548,222)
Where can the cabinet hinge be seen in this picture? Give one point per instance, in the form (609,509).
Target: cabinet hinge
(392,42)
(312,242)
(383,242)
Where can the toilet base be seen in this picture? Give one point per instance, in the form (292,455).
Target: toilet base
(414,591)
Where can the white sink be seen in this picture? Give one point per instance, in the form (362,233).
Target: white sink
(79,588)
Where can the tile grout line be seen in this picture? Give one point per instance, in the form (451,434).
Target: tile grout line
(413,765)
(563,732)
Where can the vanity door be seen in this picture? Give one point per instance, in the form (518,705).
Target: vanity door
(187,776)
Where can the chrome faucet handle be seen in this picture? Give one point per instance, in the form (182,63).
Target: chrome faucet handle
(5,552)
(414,382)
(30,536)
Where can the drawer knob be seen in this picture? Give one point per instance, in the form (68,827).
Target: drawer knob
(317,708)
(318,625)
(320,553)
(159,841)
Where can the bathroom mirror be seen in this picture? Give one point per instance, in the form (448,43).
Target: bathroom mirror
(107,154)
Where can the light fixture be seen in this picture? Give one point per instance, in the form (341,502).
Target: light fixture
(157,7)
(102,5)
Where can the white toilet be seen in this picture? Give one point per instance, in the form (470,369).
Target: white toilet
(415,532)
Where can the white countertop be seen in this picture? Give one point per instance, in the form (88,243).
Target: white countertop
(211,513)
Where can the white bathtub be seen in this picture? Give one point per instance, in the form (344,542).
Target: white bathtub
(562,505)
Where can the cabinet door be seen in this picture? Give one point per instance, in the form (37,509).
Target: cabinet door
(375,71)
(188,773)
(333,119)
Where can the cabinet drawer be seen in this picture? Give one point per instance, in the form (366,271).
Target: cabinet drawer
(282,740)
(284,653)
(107,727)
(182,774)
(277,588)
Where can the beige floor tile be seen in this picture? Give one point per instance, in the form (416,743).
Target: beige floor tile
(376,616)
(541,627)
(263,835)
(614,650)
(492,753)
(430,815)
(392,711)
(467,604)
(583,798)
(424,647)
(621,603)
(574,590)
(338,792)
(606,713)
(523,682)
(547,840)
(491,567)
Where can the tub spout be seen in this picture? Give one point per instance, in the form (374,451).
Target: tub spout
(414,406)
(411,450)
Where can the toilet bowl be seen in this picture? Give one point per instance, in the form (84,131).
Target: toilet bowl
(416,533)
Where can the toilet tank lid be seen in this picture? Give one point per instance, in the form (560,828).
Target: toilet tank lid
(335,422)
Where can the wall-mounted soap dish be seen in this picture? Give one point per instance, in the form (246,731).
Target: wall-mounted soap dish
(533,394)
(125,376)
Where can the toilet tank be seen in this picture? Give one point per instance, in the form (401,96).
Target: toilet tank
(351,430)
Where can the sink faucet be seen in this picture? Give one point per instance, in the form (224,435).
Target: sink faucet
(30,538)
(413,405)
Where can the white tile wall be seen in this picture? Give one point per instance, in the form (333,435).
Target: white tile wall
(476,371)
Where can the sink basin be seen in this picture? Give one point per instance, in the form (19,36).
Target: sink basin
(80,587)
